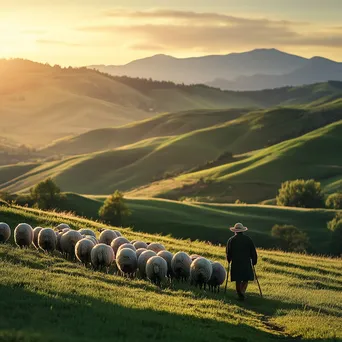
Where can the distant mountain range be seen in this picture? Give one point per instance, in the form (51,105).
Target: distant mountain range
(253,70)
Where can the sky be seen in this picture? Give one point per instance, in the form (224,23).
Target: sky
(87,32)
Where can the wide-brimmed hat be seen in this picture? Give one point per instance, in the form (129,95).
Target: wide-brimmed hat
(238,228)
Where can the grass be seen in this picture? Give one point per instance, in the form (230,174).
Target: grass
(210,222)
(68,302)
(258,176)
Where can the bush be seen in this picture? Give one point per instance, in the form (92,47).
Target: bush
(46,195)
(334,201)
(301,193)
(335,226)
(114,209)
(290,238)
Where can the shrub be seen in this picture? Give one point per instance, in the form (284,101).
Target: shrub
(114,209)
(335,226)
(301,193)
(290,238)
(46,194)
(334,201)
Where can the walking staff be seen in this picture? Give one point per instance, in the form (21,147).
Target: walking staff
(242,255)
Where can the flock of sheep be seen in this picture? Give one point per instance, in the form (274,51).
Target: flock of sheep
(129,258)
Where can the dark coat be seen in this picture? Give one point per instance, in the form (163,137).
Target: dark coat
(240,251)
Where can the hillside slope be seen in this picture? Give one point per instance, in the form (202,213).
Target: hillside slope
(64,294)
(258,176)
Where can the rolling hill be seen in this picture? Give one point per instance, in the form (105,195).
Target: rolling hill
(258,176)
(299,297)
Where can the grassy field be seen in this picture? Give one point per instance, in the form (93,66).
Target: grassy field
(210,222)
(68,302)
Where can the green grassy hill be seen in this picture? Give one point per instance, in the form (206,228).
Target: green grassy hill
(68,302)
(257,177)
(47,103)
(132,166)
(210,222)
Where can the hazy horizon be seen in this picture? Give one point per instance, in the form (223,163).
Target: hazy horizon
(116,32)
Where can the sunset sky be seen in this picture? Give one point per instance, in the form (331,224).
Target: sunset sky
(83,32)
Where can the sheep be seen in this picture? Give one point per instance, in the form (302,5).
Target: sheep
(117,242)
(194,257)
(47,239)
(218,277)
(68,242)
(58,242)
(139,244)
(87,232)
(156,247)
(101,256)
(139,251)
(62,226)
(126,245)
(133,242)
(83,250)
(167,256)
(5,232)
(200,272)
(107,236)
(23,235)
(156,270)
(180,265)
(36,232)
(91,238)
(142,260)
(127,261)
(118,234)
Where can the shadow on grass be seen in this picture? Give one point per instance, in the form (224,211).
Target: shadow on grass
(28,316)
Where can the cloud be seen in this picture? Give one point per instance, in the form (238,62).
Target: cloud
(34,31)
(55,42)
(185,30)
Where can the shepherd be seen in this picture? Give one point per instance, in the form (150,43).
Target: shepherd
(242,254)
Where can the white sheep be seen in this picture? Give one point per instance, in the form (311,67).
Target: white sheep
(156,247)
(91,238)
(62,226)
(5,232)
(36,232)
(58,243)
(85,231)
(102,256)
(117,233)
(167,256)
(127,261)
(117,242)
(107,236)
(156,270)
(68,242)
(194,257)
(200,272)
(126,245)
(139,244)
(23,235)
(139,251)
(47,240)
(83,250)
(180,265)
(218,277)
(142,260)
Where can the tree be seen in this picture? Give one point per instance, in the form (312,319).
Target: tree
(46,194)
(335,226)
(114,209)
(290,238)
(334,201)
(301,193)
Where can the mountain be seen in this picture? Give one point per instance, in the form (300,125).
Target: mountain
(207,68)
(316,69)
